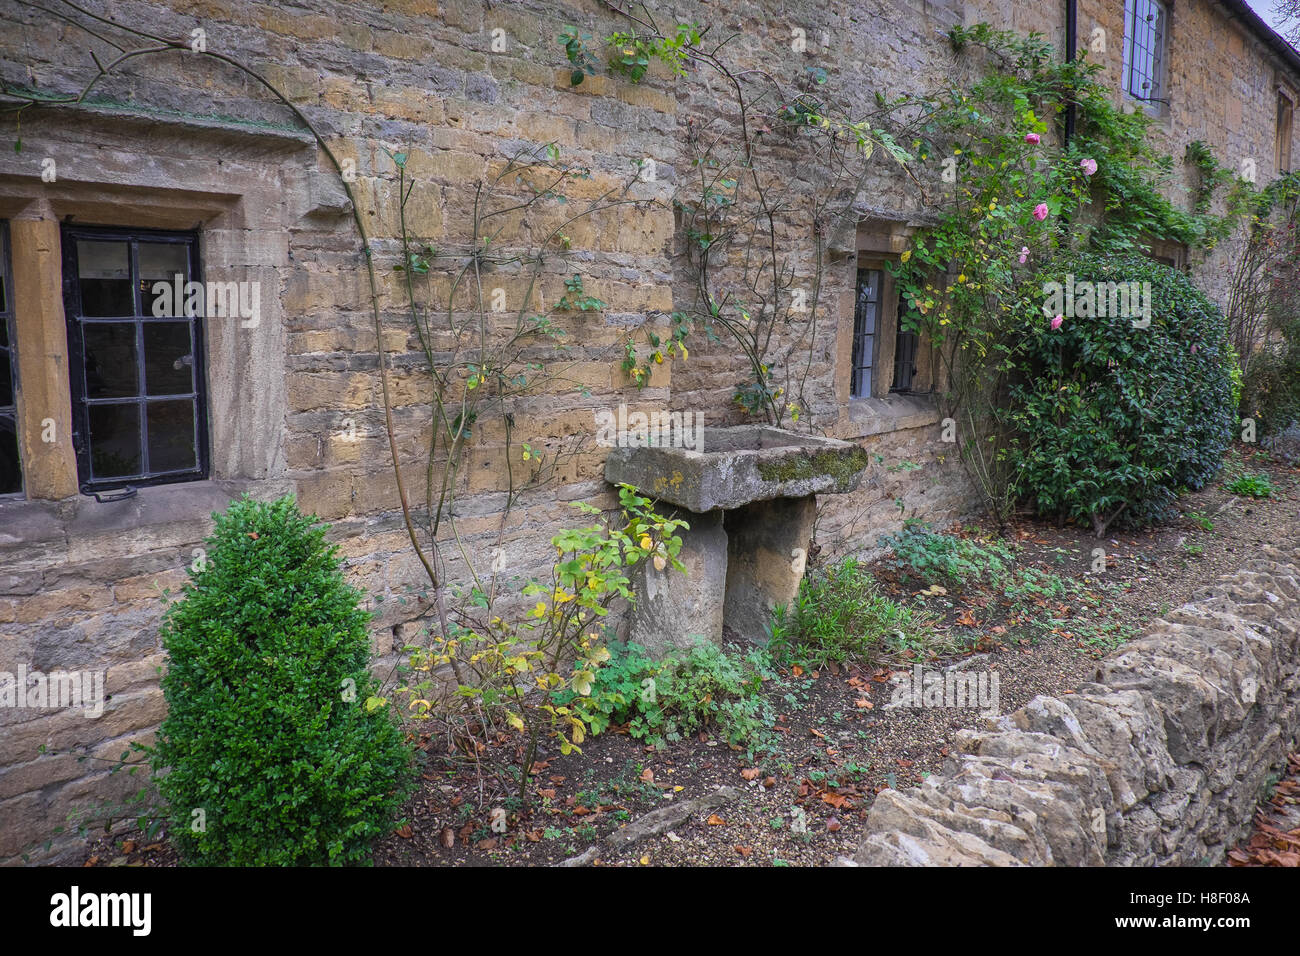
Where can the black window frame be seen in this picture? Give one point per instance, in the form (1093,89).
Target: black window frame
(81,403)
(864,342)
(9,351)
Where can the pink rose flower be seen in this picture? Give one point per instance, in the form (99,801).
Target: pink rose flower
(1040,211)
(1024,254)
(1089,166)
(1031,139)
(1056,322)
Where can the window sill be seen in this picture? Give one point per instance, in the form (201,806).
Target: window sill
(79,528)
(895,412)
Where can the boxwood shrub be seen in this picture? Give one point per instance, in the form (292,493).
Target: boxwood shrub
(269,754)
(1111,420)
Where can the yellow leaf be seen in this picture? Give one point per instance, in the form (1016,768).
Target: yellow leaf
(660,563)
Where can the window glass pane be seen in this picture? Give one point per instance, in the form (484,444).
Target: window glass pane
(104,272)
(11,474)
(163,262)
(110,360)
(171,436)
(115,440)
(6,377)
(168,362)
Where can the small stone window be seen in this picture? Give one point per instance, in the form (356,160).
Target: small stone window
(135,350)
(11,471)
(1145,28)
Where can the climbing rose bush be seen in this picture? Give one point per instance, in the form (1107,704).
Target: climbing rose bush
(1110,420)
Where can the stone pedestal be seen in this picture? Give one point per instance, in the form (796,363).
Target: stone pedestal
(672,608)
(767,550)
(749,494)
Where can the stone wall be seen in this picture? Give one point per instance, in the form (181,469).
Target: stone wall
(1161,761)
(181,142)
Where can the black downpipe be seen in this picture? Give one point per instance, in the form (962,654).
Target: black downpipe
(1071,31)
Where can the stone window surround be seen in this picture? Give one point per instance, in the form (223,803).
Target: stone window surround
(238,187)
(880,241)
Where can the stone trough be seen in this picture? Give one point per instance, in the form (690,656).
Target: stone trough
(750,499)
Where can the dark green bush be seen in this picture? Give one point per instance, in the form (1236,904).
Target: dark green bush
(1109,419)
(270,730)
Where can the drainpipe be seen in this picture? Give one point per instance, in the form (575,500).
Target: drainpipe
(1071,29)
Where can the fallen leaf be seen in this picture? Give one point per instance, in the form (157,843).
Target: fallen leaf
(92,861)
(750,773)
(448,837)
(797,670)
(489,844)
(546,794)
(863,704)
(836,800)
(745,851)
(645,861)
(833,825)
(715,820)
(905,764)
(128,846)
(405,832)
(769,783)
(647,775)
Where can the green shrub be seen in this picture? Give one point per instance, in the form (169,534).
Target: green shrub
(934,556)
(839,616)
(1271,391)
(1109,419)
(272,730)
(687,691)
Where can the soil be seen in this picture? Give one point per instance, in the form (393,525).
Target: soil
(803,800)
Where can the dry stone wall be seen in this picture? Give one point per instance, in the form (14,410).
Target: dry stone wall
(1161,761)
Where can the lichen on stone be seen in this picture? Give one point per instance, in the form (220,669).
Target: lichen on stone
(841,466)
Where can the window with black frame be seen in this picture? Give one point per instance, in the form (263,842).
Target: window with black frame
(1145,29)
(11,470)
(135,357)
(866,317)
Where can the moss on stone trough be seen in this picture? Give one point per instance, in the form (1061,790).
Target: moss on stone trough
(838,465)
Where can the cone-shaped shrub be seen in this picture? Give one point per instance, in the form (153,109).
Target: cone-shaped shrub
(269,754)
